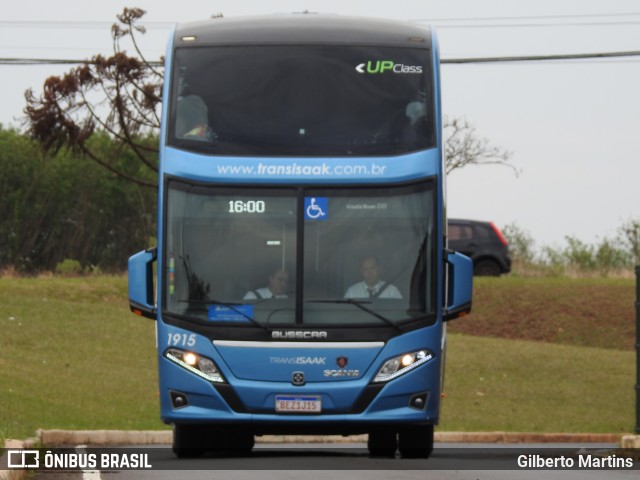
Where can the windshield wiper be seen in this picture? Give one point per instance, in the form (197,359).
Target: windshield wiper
(360,305)
(231,306)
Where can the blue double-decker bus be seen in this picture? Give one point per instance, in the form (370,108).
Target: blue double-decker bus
(303,276)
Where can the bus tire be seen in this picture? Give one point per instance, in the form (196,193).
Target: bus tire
(416,441)
(240,442)
(382,443)
(188,440)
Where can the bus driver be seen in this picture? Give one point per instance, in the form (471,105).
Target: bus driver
(277,288)
(372,286)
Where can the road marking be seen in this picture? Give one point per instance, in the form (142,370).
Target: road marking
(88,474)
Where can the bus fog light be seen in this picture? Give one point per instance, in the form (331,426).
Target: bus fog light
(397,366)
(202,366)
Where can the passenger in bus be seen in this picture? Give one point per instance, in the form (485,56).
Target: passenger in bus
(192,118)
(372,286)
(416,111)
(277,288)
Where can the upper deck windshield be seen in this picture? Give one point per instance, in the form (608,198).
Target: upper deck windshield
(311,100)
(315,257)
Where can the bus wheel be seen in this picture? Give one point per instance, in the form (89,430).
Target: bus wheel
(189,440)
(382,443)
(416,441)
(239,441)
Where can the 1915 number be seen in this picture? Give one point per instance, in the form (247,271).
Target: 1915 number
(181,340)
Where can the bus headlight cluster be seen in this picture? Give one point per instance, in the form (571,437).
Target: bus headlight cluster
(197,364)
(402,364)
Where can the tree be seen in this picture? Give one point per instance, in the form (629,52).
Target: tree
(521,243)
(463,147)
(57,207)
(629,238)
(122,94)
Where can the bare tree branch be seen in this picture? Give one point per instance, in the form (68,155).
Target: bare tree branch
(119,95)
(129,17)
(462,147)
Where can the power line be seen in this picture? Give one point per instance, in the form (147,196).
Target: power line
(529,17)
(55,61)
(551,21)
(540,58)
(83,25)
(537,25)
(535,20)
(469,60)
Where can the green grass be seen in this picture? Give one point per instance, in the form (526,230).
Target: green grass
(494,384)
(590,312)
(73,357)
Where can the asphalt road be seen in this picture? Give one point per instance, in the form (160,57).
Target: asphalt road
(322,461)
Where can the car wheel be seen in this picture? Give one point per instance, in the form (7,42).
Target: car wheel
(487,268)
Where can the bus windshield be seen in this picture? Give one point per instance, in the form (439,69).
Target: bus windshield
(287,256)
(287,100)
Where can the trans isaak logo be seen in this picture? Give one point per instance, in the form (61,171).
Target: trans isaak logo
(384,66)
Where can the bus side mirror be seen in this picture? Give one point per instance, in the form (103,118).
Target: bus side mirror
(141,292)
(459,285)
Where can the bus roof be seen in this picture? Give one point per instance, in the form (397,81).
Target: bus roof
(303,29)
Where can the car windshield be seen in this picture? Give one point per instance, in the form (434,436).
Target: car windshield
(269,257)
(285,100)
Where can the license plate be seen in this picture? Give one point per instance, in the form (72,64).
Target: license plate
(298,403)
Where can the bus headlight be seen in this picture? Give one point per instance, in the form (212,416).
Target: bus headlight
(197,364)
(402,364)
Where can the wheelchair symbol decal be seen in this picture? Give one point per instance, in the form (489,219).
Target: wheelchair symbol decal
(315,208)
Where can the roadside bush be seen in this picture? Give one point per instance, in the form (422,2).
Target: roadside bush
(629,239)
(62,206)
(580,256)
(69,268)
(607,257)
(521,243)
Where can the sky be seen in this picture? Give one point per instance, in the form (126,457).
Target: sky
(573,127)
